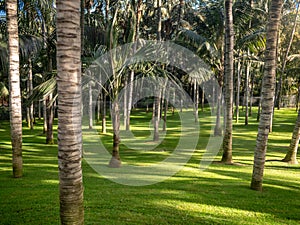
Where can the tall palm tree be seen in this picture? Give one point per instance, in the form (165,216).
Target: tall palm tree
(14,87)
(69,111)
(157,100)
(227,141)
(285,58)
(268,94)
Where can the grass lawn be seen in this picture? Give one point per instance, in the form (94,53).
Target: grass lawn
(217,195)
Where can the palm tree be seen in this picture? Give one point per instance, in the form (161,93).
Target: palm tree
(268,93)
(227,141)
(291,155)
(285,58)
(14,87)
(69,111)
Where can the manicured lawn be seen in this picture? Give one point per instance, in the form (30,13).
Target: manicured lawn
(217,195)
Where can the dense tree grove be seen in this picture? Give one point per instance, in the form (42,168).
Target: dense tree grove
(251,48)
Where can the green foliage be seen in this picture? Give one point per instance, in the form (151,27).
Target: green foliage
(4,113)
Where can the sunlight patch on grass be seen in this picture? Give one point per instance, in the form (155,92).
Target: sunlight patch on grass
(222,215)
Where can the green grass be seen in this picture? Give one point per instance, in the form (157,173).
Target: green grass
(218,195)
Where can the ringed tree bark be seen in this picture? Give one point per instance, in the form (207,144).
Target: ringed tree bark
(268,93)
(69,111)
(227,141)
(15,109)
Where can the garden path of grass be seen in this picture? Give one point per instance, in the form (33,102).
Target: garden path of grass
(218,195)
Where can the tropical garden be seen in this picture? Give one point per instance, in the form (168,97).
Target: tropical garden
(149,112)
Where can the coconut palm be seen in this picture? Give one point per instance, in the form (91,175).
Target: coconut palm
(268,94)
(285,59)
(69,111)
(14,86)
(229,40)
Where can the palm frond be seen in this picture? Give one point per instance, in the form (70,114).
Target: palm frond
(3,90)
(42,90)
(293,57)
(196,40)
(29,45)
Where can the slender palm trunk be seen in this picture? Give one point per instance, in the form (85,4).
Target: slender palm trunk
(279,89)
(166,110)
(45,116)
(237,98)
(268,92)
(156,115)
(15,108)
(39,110)
(29,109)
(247,93)
(50,117)
(218,127)
(69,111)
(99,102)
(227,140)
(291,155)
(251,96)
(202,99)
(104,113)
(298,98)
(157,100)
(90,105)
(196,101)
(115,161)
(129,104)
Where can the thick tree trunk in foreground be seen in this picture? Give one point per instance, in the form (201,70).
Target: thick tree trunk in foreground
(268,92)
(69,111)
(15,109)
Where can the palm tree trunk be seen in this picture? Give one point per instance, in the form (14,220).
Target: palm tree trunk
(130,96)
(298,98)
(279,89)
(69,112)
(227,140)
(50,117)
(90,106)
(159,21)
(251,95)
(218,127)
(82,8)
(196,99)
(268,92)
(237,100)
(45,116)
(115,161)
(291,155)
(131,78)
(39,110)
(247,92)
(14,87)
(166,110)
(156,115)
(29,89)
(104,112)
(99,102)
(202,99)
